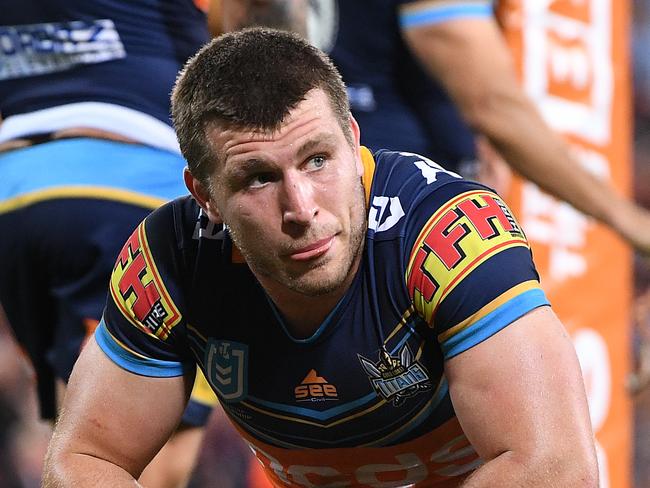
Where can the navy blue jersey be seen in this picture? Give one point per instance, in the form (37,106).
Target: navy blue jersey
(397,104)
(445,266)
(121,52)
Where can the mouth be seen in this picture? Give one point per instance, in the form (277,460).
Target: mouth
(313,250)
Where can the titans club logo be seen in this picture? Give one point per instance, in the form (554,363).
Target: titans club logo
(396,377)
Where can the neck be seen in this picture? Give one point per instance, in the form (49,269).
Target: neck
(304,314)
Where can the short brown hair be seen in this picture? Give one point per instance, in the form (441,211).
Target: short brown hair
(249,79)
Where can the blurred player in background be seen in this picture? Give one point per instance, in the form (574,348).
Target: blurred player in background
(436,78)
(86,152)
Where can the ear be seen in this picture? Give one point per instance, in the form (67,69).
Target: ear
(202,196)
(356,139)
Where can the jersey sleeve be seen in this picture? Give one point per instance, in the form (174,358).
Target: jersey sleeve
(418,13)
(469,270)
(142,325)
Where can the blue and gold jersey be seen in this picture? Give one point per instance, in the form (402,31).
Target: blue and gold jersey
(364,399)
(395,100)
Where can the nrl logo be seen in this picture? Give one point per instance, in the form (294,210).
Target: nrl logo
(227,368)
(396,377)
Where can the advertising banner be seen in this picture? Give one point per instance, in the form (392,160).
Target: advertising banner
(572,58)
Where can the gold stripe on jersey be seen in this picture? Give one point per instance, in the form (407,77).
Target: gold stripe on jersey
(197,332)
(401,323)
(368,162)
(414,419)
(460,236)
(93,192)
(490,307)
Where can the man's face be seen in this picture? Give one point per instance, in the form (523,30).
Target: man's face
(293,199)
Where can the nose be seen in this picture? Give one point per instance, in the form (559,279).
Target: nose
(298,202)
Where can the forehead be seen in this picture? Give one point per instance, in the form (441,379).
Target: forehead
(313,116)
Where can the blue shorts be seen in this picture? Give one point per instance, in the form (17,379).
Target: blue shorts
(66,209)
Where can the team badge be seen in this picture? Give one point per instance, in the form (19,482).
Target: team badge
(396,377)
(227,368)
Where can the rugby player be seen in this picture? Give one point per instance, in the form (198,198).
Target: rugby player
(365,319)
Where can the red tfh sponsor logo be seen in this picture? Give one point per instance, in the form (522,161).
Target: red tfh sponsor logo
(445,237)
(134,265)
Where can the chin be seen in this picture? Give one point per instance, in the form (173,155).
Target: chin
(318,284)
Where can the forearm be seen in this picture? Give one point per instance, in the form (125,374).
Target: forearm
(82,470)
(495,106)
(536,152)
(509,470)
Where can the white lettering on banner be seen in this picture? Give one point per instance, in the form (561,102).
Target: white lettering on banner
(573,53)
(570,64)
(593,355)
(557,224)
(594,162)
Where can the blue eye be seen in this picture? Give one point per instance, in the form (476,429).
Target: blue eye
(317,162)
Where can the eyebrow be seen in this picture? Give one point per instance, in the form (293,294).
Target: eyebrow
(245,167)
(318,140)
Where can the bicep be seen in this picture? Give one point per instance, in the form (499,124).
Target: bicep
(521,390)
(117,416)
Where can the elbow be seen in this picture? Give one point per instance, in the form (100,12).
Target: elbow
(560,466)
(587,474)
(58,465)
(577,468)
(584,475)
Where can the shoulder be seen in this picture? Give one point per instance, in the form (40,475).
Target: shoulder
(407,187)
(178,224)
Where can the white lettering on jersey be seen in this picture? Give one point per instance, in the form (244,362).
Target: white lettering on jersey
(409,464)
(428,168)
(379,206)
(206,229)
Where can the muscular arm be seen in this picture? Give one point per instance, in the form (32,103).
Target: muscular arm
(112,424)
(471,60)
(520,399)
